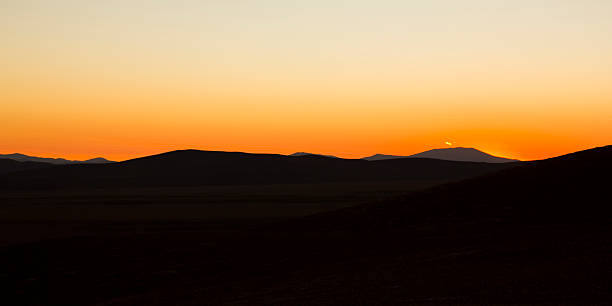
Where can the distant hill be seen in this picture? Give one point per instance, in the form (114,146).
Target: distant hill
(195,168)
(56,161)
(456,154)
(383,157)
(298,154)
(97,160)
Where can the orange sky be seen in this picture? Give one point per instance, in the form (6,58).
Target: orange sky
(123,79)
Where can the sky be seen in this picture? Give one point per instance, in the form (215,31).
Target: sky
(123,79)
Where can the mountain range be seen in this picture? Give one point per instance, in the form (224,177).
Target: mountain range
(454,154)
(55,161)
(197,168)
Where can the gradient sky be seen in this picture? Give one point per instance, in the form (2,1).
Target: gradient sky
(122,79)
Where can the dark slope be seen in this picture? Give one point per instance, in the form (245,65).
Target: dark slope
(194,168)
(9,165)
(569,188)
(455,154)
(533,234)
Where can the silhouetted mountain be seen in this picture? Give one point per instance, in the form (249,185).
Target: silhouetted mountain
(97,160)
(9,165)
(193,168)
(383,157)
(56,161)
(463,154)
(297,154)
(456,154)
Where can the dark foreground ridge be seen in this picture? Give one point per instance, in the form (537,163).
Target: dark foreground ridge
(9,165)
(198,168)
(569,188)
(538,233)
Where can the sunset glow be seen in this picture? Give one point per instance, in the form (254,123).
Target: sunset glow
(123,79)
